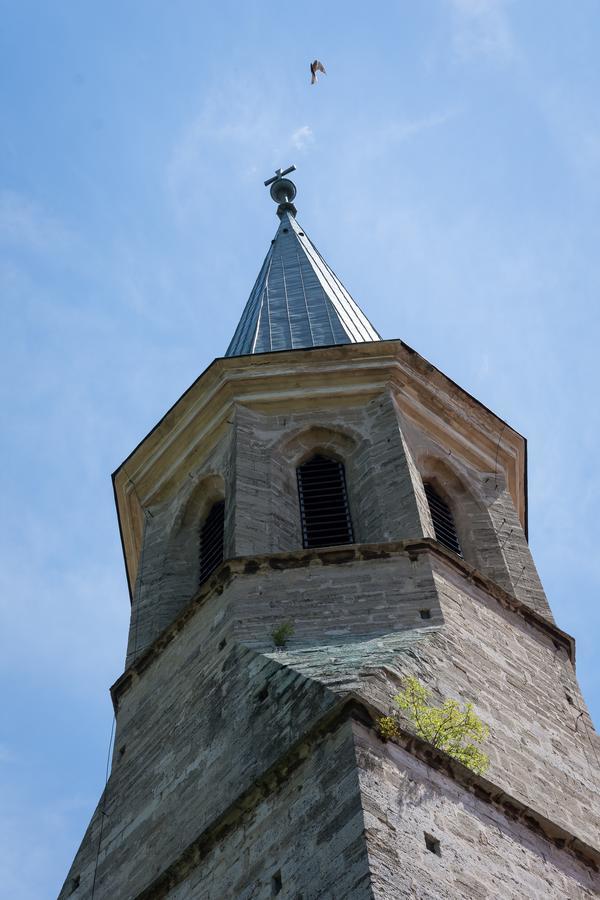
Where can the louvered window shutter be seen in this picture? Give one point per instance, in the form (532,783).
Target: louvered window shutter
(443,521)
(211,540)
(324,508)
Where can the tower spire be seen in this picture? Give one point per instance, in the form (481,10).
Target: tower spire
(297,301)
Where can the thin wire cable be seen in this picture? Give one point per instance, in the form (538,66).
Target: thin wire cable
(103,806)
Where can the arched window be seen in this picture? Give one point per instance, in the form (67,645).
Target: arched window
(324,503)
(211,539)
(443,521)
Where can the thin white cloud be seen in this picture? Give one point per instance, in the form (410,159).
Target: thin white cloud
(574,123)
(247,131)
(235,125)
(24,224)
(380,140)
(66,608)
(481,28)
(6,754)
(302,137)
(398,132)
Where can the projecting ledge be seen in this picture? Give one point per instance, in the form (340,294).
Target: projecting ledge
(250,566)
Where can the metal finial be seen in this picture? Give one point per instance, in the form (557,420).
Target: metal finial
(283,190)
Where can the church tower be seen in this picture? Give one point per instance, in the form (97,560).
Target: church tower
(322,514)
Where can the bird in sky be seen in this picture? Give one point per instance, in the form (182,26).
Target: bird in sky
(315,67)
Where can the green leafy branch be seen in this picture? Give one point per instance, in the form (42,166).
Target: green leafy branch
(455,730)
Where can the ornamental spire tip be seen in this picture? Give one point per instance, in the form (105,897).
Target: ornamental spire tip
(283,191)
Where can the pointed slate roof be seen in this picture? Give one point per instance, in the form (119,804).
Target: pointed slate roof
(297,301)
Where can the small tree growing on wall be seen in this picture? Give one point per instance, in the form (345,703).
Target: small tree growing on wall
(455,730)
(281,634)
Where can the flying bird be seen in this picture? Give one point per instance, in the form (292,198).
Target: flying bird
(315,67)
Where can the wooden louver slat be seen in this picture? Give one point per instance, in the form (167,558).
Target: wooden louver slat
(211,540)
(324,509)
(443,520)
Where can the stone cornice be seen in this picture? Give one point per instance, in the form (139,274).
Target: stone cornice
(241,566)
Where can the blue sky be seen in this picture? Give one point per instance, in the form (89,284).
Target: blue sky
(448,170)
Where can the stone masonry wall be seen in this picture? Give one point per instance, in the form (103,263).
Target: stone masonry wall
(302,841)
(206,718)
(482,854)
(170,563)
(258,474)
(256,465)
(488,527)
(194,732)
(245,771)
(543,747)
(358,627)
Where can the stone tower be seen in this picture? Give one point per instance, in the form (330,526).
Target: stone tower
(331,492)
